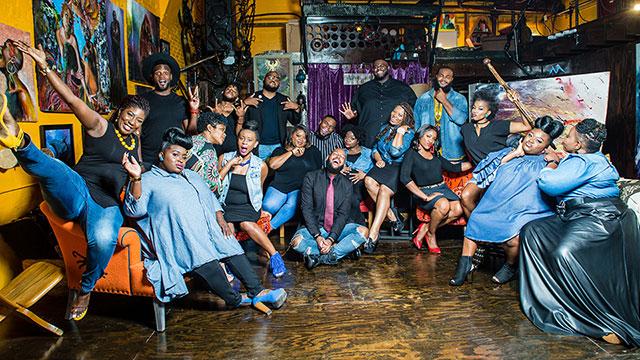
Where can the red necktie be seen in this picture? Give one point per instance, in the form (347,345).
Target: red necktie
(328,208)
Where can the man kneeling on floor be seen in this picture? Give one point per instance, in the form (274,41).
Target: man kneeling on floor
(331,230)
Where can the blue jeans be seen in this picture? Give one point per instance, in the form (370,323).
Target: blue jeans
(281,206)
(264,151)
(68,196)
(349,240)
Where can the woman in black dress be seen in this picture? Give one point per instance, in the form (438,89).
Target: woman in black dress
(90,193)
(421,173)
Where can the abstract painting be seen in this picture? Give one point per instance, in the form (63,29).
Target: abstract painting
(73,35)
(282,63)
(566,98)
(57,140)
(16,75)
(143,32)
(116,44)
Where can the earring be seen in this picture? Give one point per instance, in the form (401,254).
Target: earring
(161,157)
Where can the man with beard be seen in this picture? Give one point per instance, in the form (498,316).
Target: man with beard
(167,109)
(325,138)
(233,109)
(271,110)
(447,109)
(331,229)
(373,102)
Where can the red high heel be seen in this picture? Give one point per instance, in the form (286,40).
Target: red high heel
(433,250)
(418,243)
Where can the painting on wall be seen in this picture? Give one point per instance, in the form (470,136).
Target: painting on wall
(143,34)
(16,75)
(565,98)
(282,63)
(447,22)
(115,43)
(479,26)
(74,38)
(57,140)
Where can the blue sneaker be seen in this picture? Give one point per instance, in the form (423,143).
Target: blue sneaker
(274,298)
(277,265)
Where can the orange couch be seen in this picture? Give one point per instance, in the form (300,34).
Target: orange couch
(455,182)
(124,275)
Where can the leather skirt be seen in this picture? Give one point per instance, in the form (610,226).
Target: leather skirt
(580,270)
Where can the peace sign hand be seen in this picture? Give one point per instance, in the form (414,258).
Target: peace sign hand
(194,98)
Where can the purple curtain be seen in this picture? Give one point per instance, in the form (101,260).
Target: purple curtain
(326,89)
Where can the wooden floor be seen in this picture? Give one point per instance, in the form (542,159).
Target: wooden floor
(395,304)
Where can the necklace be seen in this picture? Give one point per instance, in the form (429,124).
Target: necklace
(128,147)
(245,163)
(437,111)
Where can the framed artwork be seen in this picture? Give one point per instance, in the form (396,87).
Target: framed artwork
(165,47)
(74,38)
(58,140)
(478,27)
(143,33)
(447,22)
(570,98)
(115,43)
(16,75)
(282,63)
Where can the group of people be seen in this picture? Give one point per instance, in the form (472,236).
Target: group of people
(193,179)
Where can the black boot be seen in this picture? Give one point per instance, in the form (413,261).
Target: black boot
(311,261)
(465,268)
(355,254)
(370,246)
(506,273)
(397,225)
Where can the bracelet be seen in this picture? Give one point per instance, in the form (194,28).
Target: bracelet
(139,178)
(553,161)
(44,71)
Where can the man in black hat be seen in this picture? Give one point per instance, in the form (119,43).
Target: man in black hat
(271,110)
(167,109)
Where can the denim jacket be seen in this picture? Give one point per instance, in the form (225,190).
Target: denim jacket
(363,162)
(389,153)
(450,135)
(254,180)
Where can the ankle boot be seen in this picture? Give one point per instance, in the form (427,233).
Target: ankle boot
(311,261)
(506,273)
(465,268)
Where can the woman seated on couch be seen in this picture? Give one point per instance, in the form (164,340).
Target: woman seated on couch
(185,229)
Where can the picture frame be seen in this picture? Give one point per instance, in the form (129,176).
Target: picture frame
(280,62)
(165,46)
(57,140)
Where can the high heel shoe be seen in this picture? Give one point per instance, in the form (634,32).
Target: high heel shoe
(464,271)
(506,273)
(397,225)
(417,243)
(433,250)
(370,246)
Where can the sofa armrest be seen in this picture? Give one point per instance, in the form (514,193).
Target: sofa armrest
(129,238)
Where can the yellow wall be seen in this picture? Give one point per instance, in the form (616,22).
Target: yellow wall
(19,193)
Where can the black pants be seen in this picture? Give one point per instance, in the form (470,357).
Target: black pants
(216,279)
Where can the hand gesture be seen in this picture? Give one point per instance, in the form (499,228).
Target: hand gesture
(298,151)
(380,164)
(290,105)
(235,161)
(194,98)
(252,101)
(345,170)
(241,109)
(551,155)
(347,111)
(131,165)
(440,95)
(218,107)
(519,151)
(38,55)
(324,245)
(357,177)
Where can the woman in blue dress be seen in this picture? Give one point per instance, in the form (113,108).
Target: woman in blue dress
(579,269)
(185,229)
(512,199)
(381,182)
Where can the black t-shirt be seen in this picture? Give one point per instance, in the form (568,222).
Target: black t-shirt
(492,138)
(270,109)
(101,166)
(423,171)
(166,112)
(353,158)
(230,141)
(290,175)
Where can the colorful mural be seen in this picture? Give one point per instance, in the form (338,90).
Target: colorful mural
(73,34)
(116,44)
(16,75)
(143,33)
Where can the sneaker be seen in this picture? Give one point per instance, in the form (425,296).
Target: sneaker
(277,265)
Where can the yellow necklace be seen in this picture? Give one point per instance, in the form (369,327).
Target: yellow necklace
(437,111)
(128,147)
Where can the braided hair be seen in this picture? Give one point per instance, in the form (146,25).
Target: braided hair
(591,134)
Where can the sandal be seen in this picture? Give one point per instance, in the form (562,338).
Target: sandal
(80,306)
(8,140)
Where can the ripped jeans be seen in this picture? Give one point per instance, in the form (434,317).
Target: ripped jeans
(349,240)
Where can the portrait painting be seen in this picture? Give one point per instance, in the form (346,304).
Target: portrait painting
(16,75)
(282,63)
(143,32)
(57,140)
(116,44)
(74,38)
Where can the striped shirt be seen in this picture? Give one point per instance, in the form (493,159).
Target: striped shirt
(326,145)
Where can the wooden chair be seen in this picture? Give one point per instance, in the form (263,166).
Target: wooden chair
(29,287)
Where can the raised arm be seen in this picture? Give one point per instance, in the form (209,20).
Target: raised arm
(282,155)
(95,124)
